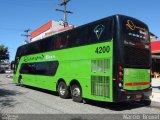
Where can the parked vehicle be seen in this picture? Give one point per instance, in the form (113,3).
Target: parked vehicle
(8,71)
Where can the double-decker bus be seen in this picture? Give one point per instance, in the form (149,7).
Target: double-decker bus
(106,60)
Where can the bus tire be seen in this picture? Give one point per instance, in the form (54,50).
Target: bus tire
(63,90)
(76,92)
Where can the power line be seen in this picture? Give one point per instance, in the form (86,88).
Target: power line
(65,12)
(26,35)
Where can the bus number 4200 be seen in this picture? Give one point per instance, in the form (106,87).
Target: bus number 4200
(104,49)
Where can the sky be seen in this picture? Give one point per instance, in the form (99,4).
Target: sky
(18,15)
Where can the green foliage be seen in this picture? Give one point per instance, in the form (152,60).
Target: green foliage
(4,54)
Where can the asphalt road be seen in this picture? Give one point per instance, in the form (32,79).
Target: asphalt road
(26,100)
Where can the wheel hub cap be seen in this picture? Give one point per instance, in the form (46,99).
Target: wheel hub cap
(62,90)
(76,92)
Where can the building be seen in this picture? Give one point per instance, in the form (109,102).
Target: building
(48,29)
(153,37)
(155,50)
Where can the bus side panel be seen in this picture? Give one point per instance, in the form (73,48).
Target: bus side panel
(90,65)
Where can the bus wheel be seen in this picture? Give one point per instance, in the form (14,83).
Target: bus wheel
(76,93)
(63,90)
(20,81)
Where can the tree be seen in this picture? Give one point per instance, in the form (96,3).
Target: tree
(4,54)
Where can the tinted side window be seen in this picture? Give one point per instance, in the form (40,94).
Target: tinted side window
(100,31)
(61,41)
(21,51)
(33,48)
(57,44)
(46,68)
(82,37)
(52,68)
(64,41)
(40,68)
(46,45)
(27,68)
(77,37)
(24,69)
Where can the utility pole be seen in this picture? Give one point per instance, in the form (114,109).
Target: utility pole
(26,41)
(64,3)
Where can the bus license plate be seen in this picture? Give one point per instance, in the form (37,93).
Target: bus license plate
(138,96)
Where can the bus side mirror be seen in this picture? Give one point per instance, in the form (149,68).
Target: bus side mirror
(13,65)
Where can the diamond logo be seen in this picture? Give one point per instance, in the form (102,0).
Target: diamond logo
(98,30)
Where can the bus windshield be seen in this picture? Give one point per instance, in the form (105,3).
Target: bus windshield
(136,43)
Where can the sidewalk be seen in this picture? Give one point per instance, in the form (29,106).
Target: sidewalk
(156,89)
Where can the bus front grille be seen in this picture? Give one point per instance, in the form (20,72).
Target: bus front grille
(100,86)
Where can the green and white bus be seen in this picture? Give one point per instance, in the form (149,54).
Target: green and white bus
(106,60)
